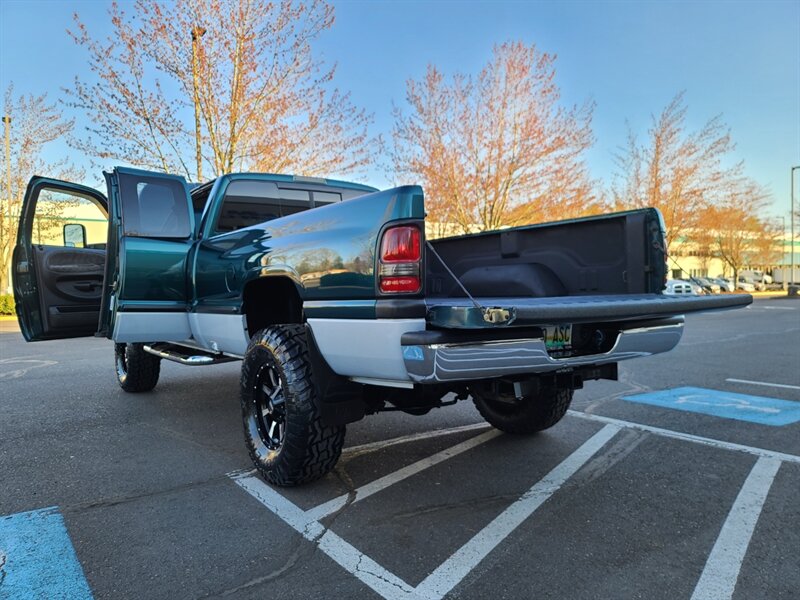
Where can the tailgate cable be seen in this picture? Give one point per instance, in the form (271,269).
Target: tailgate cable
(494,315)
(453,275)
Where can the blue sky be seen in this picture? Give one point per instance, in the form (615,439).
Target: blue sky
(737,59)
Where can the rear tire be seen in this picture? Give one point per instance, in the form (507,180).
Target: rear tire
(137,370)
(527,415)
(283,430)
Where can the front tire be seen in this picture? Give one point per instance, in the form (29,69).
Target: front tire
(283,430)
(526,415)
(137,370)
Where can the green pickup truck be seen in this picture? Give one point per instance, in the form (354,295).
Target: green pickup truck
(337,305)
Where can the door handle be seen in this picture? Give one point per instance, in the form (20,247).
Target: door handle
(87,287)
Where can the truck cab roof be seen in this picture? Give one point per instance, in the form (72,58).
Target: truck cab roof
(323,191)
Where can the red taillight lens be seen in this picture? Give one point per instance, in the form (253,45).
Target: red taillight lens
(401,252)
(401,244)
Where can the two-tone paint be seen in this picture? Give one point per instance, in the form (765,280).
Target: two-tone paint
(193,288)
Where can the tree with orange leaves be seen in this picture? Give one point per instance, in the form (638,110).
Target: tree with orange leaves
(495,149)
(236,79)
(678,171)
(741,235)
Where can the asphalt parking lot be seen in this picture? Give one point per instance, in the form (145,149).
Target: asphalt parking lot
(693,493)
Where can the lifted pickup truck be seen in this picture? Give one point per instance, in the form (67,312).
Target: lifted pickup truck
(337,306)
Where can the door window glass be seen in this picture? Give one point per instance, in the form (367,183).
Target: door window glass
(58,217)
(154,206)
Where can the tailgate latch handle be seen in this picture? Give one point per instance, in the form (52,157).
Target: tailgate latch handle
(498,316)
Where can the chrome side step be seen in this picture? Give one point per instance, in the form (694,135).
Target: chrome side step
(186,356)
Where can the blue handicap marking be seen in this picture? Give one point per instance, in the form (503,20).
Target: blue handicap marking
(37,559)
(728,405)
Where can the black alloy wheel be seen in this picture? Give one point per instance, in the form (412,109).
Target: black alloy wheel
(270,406)
(287,440)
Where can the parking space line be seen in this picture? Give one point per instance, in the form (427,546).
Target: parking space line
(466,558)
(373,487)
(785,386)
(688,437)
(717,580)
(721,571)
(343,553)
(353,451)
(455,568)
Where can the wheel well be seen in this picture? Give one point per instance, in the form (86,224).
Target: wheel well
(270,301)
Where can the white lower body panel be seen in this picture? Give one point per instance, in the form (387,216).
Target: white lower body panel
(220,333)
(132,327)
(364,347)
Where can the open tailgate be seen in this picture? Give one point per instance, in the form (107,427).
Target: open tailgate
(463,313)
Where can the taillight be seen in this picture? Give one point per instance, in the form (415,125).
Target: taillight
(400,244)
(401,252)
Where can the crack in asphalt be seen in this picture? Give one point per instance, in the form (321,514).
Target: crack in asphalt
(340,471)
(482,502)
(115,501)
(394,584)
(300,551)
(296,555)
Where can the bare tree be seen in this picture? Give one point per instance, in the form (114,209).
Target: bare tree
(497,148)
(236,78)
(678,171)
(34,123)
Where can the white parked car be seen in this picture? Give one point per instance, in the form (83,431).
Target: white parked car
(756,277)
(726,285)
(746,285)
(679,287)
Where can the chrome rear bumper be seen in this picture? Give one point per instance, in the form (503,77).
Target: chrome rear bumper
(484,360)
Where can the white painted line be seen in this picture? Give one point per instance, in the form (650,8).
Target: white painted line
(785,386)
(455,568)
(778,307)
(384,582)
(346,555)
(365,491)
(688,437)
(282,507)
(466,558)
(353,451)
(719,576)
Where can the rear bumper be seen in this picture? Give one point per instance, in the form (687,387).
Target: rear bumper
(441,362)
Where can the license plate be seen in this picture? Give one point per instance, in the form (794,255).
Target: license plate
(558,337)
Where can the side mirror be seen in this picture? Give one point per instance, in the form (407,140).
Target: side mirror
(74,235)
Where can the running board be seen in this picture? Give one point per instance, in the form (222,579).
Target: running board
(186,356)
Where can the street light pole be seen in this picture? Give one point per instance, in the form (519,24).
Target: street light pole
(791,220)
(5,211)
(783,250)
